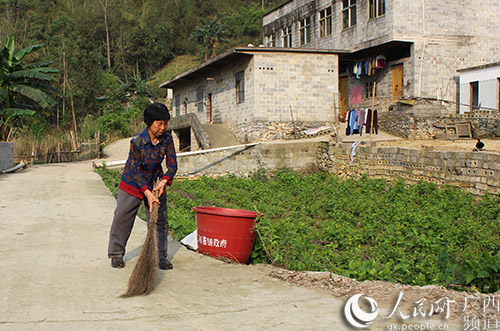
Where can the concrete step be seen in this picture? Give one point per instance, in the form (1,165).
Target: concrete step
(220,135)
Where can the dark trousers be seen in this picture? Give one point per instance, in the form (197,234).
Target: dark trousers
(126,210)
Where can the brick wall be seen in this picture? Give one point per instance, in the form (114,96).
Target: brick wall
(476,172)
(6,155)
(279,87)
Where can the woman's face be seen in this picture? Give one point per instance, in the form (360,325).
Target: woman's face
(158,127)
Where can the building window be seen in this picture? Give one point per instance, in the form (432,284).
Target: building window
(178,105)
(305,30)
(199,98)
(270,40)
(325,22)
(286,37)
(348,13)
(377,8)
(240,87)
(474,96)
(369,88)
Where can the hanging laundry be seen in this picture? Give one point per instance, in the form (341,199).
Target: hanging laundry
(353,151)
(361,120)
(348,120)
(366,67)
(368,120)
(356,95)
(353,123)
(375,121)
(358,70)
(372,122)
(381,61)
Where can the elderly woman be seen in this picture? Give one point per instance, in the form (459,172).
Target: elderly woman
(147,151)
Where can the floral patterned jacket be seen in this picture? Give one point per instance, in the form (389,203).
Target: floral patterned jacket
(143,165)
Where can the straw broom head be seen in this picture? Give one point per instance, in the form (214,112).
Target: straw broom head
(143,278)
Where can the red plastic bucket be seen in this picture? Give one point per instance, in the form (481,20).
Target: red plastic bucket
(225,232)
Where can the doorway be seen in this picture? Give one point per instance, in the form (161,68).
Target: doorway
(184,135)
(474,96)
(343,97)
(397,82)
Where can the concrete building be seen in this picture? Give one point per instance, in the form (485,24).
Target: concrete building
(423,42)
(480,88)
(248,86)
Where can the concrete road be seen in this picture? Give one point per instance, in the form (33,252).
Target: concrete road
(55,274)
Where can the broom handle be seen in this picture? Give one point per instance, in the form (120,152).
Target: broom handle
(154,214)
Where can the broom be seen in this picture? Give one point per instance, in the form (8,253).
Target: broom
(143,278)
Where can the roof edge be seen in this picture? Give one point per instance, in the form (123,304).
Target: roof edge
(482,66)
(251,50)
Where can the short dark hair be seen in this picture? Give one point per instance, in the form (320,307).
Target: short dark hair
(155,112)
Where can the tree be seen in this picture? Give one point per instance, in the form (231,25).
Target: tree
(138,86)
(23,88)
(210,34)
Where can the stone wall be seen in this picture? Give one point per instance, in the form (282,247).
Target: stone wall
(260,131)
(246,159)
(476,172)
(413,126)
(6,155)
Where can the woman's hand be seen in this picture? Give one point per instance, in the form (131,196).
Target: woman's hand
(160,186)
(151,199)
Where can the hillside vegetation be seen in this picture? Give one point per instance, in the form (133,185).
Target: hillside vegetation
(105,53)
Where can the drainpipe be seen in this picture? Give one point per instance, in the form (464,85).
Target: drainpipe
(423,51)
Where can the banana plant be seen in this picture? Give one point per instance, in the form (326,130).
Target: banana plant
(23,87)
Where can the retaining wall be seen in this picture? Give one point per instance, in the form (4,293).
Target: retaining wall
(245,160)
(6,155)
(476,172)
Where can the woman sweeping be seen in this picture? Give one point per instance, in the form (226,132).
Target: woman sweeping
(142,169)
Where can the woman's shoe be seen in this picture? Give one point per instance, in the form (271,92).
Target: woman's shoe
(117,262)
(166,264)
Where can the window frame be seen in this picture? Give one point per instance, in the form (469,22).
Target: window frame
(177,104)
(369,89)
(376,8)
(325,22)
(305,30)
(286,35)
(349,14)
(270,40)
(200,91)
(240,86)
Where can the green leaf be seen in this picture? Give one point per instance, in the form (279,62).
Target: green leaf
(32,74)
(39,65)
(43,99)
(11,112)
(470,278)
(483,274)
(20,55)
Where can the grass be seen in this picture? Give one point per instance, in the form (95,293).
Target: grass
(176,67)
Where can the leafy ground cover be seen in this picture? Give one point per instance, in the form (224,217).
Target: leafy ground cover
(360,228)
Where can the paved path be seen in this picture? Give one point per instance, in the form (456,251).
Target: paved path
(55,275)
